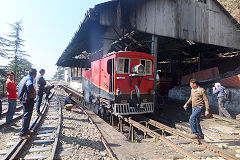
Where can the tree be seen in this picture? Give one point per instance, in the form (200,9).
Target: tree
(14,48)
(3,44)
(22,69)
(59,75)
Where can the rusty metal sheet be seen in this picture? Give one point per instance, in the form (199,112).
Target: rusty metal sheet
(210,73)
(233,81)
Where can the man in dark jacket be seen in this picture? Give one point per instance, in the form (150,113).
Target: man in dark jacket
(40,89)
(219,90)
(26,94)
(68,102)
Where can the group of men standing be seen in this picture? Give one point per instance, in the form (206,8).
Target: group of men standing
(26,93)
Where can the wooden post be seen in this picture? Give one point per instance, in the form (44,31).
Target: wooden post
(129,132)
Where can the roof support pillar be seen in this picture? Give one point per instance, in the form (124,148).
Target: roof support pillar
(199,61)
(155,54)
(170,64)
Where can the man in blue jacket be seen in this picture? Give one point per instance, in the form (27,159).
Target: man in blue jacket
(68,102)
(26,94)
(40,88)
(219,90)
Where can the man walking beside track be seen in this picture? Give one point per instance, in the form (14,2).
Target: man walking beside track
(199,103)
(12,97)
(40,88)
(26,94)
(219,90)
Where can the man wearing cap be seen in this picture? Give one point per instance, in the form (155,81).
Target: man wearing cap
(40,88)
(219,90)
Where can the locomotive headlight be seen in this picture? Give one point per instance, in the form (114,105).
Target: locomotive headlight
(151,91)
(118,91)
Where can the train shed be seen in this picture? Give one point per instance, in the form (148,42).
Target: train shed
(185,36)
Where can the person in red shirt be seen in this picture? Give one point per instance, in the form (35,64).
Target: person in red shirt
(12,97)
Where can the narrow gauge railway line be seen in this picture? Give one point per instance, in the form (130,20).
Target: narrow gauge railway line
(95,133)
(45,135)
(191,148)
(231,121)
(16,116)
(10,137)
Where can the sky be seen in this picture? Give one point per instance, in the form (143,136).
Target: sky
(48,26)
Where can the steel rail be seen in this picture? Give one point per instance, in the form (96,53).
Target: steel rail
(226,119)
(17,109)
(55,144)
(154,134)
(17,148)
(110,152)
(206,145)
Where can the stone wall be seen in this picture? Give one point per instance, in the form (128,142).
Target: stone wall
(182,93)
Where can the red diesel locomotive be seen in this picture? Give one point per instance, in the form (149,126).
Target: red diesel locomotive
(122,81)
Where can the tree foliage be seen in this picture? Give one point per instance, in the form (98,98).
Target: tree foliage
(3,44)
(22,69)
(59,75)
(13,50)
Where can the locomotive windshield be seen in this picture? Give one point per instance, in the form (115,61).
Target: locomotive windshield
(123,66)
(147,65)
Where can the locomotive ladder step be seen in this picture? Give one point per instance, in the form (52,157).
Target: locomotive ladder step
(40,149)
(38,156)
(43,141)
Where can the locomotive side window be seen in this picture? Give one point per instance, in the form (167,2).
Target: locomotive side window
(123,65)
(148,66)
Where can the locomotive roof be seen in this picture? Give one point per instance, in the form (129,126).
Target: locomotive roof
(92,38)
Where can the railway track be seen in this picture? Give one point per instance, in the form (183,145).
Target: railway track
(192,148)
(27,148)
(182,143)
(17,115)
(89,117)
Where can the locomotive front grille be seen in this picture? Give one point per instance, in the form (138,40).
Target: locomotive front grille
(125,109)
